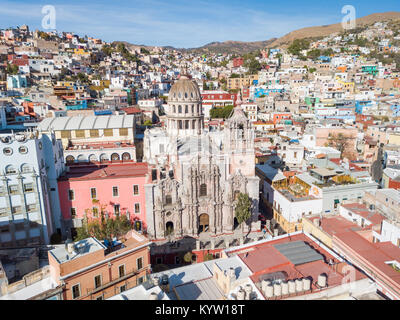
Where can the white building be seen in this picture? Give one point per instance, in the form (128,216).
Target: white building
(29,204)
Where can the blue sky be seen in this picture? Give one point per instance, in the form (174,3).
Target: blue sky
(185,23)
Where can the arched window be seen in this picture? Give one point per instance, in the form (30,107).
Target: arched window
(92,158)
(70,159)
(192,108)
(186,124)
(103,157)
(241,131)
(115,157)
(81,158)
(174,109)
(179,109)
(203,190)
(25,168)
(186,109)
(126,156)
(168,199)
(169,228)
(186,95)
(11,170)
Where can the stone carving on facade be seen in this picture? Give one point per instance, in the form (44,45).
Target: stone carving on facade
(203,188)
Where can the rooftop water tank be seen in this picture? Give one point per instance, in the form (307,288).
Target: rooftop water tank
(269,291)
(292,286)
(241,294)
(153,296)
(322,280)
(277,290)
(264,284)
(299,285)
(231,273)
(156,281)
(70,247)
(248,289)
(306,284)
(285,288)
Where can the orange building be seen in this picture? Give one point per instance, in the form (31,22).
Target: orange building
(88,270)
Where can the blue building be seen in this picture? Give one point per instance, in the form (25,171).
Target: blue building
(258,92)
(77,105)
(361,104)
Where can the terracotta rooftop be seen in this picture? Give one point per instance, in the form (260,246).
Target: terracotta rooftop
(361,209)
(266,258)
(108,171)
(376,254)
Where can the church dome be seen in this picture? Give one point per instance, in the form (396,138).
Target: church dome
(184,90)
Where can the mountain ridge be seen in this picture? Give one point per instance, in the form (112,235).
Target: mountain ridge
(242,47)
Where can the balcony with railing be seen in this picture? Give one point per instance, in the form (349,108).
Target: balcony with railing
(128,280)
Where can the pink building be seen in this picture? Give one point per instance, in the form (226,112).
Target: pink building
(118,188)
(325,136)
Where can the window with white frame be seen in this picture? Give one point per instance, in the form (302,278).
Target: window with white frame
(93,193)
(137,207)
(76,291)
(139,263)
(115,191)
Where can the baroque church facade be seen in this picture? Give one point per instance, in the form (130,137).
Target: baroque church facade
(197,174)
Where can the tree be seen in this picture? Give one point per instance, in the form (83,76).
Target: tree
(103,228)
(340,142)
(188,257)
(234,76)
(208,257)
(221,113)
(314,54)
(243,208)
(12,69)
(298,45)
(44,35)
(253,65)
(312,70)
(144,51)
(107,50)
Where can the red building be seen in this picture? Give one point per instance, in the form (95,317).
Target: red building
(365,120)
(219,98)
(278,118)
(246,93)
(237,62)
(18,60)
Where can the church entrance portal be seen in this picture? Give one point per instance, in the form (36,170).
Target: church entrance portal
(169,228)
(235,223)
(204,222)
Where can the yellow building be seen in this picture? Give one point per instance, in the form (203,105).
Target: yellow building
(394,138)
(312,227)
(81,52)
(238,83)
(346,86)
(288,227)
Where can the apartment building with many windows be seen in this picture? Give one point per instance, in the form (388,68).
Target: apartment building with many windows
(29,206)
(89,270)
(115,188)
